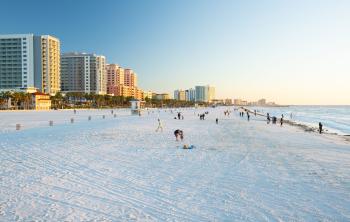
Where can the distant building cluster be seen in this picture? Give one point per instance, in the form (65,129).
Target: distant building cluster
(197,94)
(260,102)
(34,63)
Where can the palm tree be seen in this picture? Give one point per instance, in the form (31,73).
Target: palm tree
(56,100)
(27,97)
(17,98)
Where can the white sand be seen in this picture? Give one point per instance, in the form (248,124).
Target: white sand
(120,169)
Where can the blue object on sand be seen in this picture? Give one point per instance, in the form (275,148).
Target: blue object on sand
(188,147)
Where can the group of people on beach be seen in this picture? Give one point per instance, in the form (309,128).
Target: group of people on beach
(179,116)
(179,134)
(241,113)
(202,116)
(274,119)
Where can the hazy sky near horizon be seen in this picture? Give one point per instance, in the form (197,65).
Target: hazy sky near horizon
(291,52)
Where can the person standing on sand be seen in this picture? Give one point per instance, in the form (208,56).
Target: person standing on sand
(217,120)
(248,116)
(268,118)
(282,120)
(160,126)
(320,126)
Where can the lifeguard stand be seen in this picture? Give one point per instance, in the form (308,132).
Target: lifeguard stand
(136,106)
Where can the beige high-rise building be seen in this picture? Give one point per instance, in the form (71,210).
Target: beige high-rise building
(180,95)
(47,70)
(211,93)
(130,78)
(205,93)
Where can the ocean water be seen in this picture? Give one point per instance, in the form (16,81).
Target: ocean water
(335,119)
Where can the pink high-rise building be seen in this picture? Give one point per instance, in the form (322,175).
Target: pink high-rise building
(130,78)
(115,77)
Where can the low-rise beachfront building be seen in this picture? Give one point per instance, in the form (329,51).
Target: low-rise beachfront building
(161,96)
(228,102)
(40,101)
(261,102)
(121,90)
(218,102)
(137,93)
(147,94)
(240,102)
(126,91)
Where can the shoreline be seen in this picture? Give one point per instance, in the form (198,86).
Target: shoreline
(305,127)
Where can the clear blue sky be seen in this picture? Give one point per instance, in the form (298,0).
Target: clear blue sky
(292,52)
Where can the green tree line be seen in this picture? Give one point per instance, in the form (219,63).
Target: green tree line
(22,100)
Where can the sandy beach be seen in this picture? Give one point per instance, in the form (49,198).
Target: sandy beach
(120,169)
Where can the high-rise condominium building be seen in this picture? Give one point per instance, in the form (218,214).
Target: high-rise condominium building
(180,95)
(82,72)
(190,95)
(28,61)
(130,78)
(205,93)
(177,94)
(115,77)
(47,67)
(211,93)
